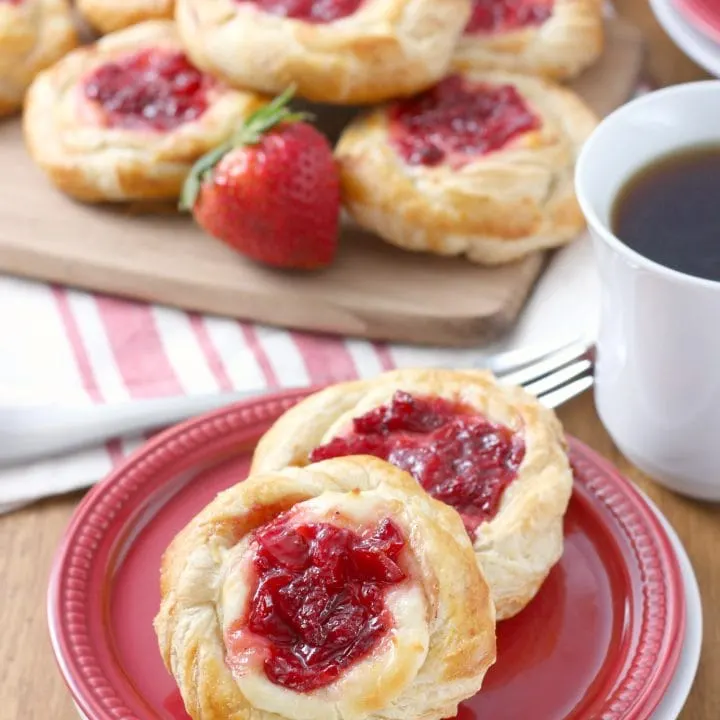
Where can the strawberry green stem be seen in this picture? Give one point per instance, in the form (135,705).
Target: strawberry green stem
(249,133)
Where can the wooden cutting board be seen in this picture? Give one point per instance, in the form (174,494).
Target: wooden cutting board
(373,290)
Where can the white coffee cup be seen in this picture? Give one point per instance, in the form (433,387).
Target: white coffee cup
(658,351)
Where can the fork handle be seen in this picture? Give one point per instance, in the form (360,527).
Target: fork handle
(32,433)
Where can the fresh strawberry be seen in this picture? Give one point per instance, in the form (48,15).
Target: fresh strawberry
(272,192)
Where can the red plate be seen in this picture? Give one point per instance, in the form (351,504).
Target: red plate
(703,15)
(602,638)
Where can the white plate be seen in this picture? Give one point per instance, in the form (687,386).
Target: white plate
(680,687)
(698,47)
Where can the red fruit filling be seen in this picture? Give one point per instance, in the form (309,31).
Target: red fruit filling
(149,90)
(456,121)
(320,598)
(312,11)
(456,454)
(491,16)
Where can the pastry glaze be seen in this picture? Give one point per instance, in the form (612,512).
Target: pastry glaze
(90,158)
(319,603)
(148,90)
(518,547)
(455,453)
(385,49)
(33,35)
(498,207)
(561,47)
(442,637)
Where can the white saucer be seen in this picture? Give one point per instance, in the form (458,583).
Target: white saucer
(679,689)
(698,47)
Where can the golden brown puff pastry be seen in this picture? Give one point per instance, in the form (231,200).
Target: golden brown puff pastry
(107,16)
(554,38)
(125,118)
(339,591)
(33,35)
(334,51)
(492,452)
(480,165)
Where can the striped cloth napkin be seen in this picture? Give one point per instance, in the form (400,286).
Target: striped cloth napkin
(65,346)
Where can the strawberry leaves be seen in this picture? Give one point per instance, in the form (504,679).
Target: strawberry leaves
(266,118)
(198,173)
(249,133)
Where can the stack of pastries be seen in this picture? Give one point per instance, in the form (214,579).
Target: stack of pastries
(359,572)
(464,143)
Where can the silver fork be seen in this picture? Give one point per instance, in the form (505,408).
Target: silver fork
(34,432)
(557,378)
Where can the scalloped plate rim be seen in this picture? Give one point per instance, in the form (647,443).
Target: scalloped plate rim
(650,696)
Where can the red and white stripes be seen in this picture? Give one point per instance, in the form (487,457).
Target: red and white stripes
(59,345)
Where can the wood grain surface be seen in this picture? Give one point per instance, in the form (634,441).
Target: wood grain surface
(372,290)
(31,687)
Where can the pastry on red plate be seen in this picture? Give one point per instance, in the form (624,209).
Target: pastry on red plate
(555,38)
(110,15)
(479,165)
(334,51)
(33,35)
(339,590)
(492,452)
(126,118)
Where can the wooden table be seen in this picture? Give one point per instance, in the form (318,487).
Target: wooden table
(30,685)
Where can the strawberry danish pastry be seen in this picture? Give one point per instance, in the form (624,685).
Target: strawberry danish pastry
(125,118)
(491,452)
(339,590)
(479,165)
(33,35)
(110,15)
(332,51)
(554,38)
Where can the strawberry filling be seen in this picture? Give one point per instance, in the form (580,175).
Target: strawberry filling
(456,454)
(318,605)
(149,90)
(311,11)
(494,16)
(456,121)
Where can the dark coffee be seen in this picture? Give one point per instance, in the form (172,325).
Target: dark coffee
(669,212)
